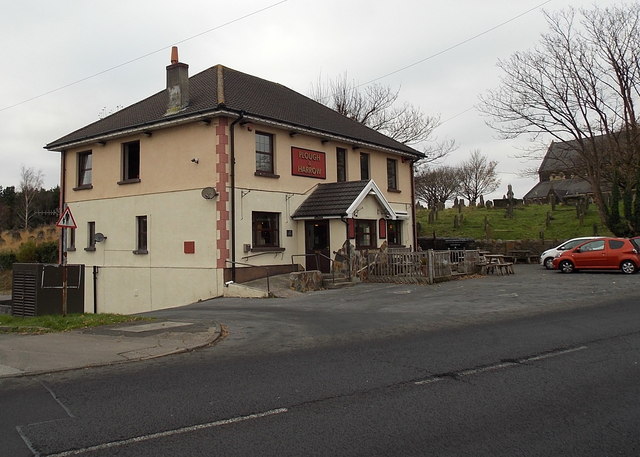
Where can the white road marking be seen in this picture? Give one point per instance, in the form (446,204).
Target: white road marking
(499,366)
(178,431)
(554,354)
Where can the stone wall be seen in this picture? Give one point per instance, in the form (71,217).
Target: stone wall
(305,281)
(504,246)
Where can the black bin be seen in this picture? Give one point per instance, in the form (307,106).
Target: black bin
(37,289)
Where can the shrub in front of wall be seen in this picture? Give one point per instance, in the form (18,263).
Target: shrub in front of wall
(7,259)
(47,252)
(27,252)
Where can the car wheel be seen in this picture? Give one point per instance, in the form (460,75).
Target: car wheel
(566,266)
(548,263)
(628,267)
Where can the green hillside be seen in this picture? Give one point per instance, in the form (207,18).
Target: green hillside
(528,223)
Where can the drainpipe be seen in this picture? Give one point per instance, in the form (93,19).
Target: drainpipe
(63,181)
(95,289)
(233,194)
(413,207)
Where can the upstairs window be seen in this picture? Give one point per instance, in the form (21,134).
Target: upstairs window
(84,170)
(264,153)
(364,166)
(341,164)
(130,162)
(392,174)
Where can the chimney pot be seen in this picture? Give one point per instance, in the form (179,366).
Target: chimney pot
(174,55)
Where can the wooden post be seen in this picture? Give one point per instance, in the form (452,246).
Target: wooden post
(64,272)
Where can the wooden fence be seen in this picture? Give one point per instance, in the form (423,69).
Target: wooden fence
(420,267)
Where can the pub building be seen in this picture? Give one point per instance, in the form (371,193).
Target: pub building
(217,176)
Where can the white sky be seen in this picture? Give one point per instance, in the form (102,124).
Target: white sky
(49,45)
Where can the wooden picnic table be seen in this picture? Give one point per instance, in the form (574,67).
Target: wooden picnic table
(521,254)
(496,264)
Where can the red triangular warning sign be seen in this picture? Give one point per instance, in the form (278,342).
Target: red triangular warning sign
(66,220)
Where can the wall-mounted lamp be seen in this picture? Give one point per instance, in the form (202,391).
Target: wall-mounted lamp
(195,160)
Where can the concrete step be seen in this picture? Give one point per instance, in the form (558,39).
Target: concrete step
(329,282)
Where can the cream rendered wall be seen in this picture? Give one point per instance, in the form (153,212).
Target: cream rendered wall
(283,194)
(165,163)
(165,277)
(337,235)
(169,195)
(286,182)
(248,201)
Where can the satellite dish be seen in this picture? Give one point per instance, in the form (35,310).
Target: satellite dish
(209,192)
(99,237)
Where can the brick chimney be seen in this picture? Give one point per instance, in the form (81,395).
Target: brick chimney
(177,84)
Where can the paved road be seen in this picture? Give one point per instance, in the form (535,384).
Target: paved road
(377,370)
(384,310)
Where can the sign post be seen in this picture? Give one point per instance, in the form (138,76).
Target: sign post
(65,222)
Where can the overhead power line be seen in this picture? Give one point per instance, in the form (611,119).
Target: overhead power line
(406,67)
(164,48)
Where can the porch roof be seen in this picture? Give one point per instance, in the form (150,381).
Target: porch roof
(341,199)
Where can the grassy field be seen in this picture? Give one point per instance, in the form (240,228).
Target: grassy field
(10,240)
(59,323)
(528,223)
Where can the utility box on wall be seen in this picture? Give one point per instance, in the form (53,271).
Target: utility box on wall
(37,289)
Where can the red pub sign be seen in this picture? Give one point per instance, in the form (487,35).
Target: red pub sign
(312,164)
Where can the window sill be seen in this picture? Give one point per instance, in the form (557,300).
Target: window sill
(140,252)
(129,181)
(90,249)
(71,249)
(267,249)
(395,191)
(266,174)
(84,187)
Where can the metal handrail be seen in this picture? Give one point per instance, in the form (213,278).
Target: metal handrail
(257,266)
(333,273)
(304,255)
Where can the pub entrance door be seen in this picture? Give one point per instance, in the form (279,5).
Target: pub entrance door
(317,242)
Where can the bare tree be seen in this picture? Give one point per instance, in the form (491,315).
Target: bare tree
(377,106)
(478,176)
(580,87)
(30,185)
(435,185)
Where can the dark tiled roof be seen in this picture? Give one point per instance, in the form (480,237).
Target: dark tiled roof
(330,200)
(561,187)
(241,93)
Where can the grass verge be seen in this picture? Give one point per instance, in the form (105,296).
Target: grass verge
(59,323)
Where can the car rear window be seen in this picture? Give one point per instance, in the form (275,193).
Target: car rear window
(636,243)
(615,244)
